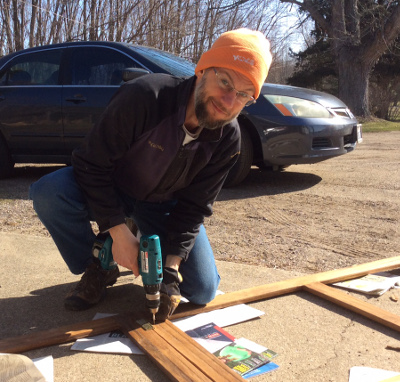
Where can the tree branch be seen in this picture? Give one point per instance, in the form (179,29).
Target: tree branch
(384,37)
(229,7)
(308,5)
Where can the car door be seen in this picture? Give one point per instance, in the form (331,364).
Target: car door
(95,74)
(30,103)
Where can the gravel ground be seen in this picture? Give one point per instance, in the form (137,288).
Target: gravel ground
(309,218)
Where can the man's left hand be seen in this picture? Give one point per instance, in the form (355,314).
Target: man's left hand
(170,295)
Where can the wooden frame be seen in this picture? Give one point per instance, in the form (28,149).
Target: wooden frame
(167,346)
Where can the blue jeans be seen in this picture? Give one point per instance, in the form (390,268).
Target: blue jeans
(61,206)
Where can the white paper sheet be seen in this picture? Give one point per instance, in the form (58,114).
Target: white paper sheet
(221,317)
(369,374)
(114,342)
(46,367)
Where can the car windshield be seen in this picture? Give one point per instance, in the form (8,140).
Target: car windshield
(173,64)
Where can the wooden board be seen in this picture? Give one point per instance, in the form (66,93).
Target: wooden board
(179,356)
(57,336)
(165,344)
(279,288)
(354,304)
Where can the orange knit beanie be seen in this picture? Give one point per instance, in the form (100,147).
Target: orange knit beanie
(243,50)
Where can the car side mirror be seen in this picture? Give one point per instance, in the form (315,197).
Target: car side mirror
(132,73)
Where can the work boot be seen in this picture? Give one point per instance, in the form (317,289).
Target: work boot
(92,287)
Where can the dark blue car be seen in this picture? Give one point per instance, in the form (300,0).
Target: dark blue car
(50,96)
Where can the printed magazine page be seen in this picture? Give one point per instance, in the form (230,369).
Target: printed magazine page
(244,355)
(211,337)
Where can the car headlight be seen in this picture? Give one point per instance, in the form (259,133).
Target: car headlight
(297,107)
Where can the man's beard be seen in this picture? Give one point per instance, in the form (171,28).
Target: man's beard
(202,115)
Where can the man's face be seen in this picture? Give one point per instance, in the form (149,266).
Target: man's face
(214,105)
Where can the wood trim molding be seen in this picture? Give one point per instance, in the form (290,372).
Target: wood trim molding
(354,304)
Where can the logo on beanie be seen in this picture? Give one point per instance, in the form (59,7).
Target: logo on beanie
(243,59)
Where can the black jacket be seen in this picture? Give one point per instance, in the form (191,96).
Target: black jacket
(137,148)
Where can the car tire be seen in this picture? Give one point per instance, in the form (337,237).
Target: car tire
(243,165)
(6,163)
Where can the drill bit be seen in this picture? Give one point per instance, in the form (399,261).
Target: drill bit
(152,300)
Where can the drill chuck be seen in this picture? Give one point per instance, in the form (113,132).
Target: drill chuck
(152,297)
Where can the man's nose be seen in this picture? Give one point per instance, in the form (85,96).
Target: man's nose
(229,98)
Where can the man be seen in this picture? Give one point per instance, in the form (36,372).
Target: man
(159,155)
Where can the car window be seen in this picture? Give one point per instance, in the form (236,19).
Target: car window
(99,66)
(171,63)
(38,68)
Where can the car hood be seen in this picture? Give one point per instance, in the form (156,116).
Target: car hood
(325,99)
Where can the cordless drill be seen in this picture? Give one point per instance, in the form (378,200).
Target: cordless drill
(150,268)
(150,265)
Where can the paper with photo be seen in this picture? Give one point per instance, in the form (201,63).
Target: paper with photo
(211,337)
(22,367)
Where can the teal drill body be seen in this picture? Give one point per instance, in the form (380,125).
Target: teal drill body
(150,260)
(150,265)
(102,250)
(150,268)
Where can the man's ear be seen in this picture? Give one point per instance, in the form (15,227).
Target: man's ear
(200,74)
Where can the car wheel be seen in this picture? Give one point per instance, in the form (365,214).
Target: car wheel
(243,165)
(6,163)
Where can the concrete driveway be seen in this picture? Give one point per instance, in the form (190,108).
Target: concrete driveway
(316,340)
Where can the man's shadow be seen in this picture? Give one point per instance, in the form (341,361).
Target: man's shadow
(43,309)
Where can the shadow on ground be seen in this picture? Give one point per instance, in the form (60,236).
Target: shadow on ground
(264,182)
(43,309)
(17,186)
(258,183)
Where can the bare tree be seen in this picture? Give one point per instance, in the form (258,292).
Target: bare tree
(185,27)
(7,29)
(356,46)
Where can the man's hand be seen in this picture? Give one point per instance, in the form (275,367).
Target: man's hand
(125,247)
(170,295)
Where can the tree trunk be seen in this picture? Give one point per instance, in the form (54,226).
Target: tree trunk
(93,21)
(353,73)
(18,43)
(5,10)
(33,24)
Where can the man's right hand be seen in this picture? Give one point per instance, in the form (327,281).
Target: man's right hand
(125,247)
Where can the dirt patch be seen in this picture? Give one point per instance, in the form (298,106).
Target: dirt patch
(309,218)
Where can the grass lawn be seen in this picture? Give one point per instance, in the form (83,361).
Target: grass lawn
(380,125)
